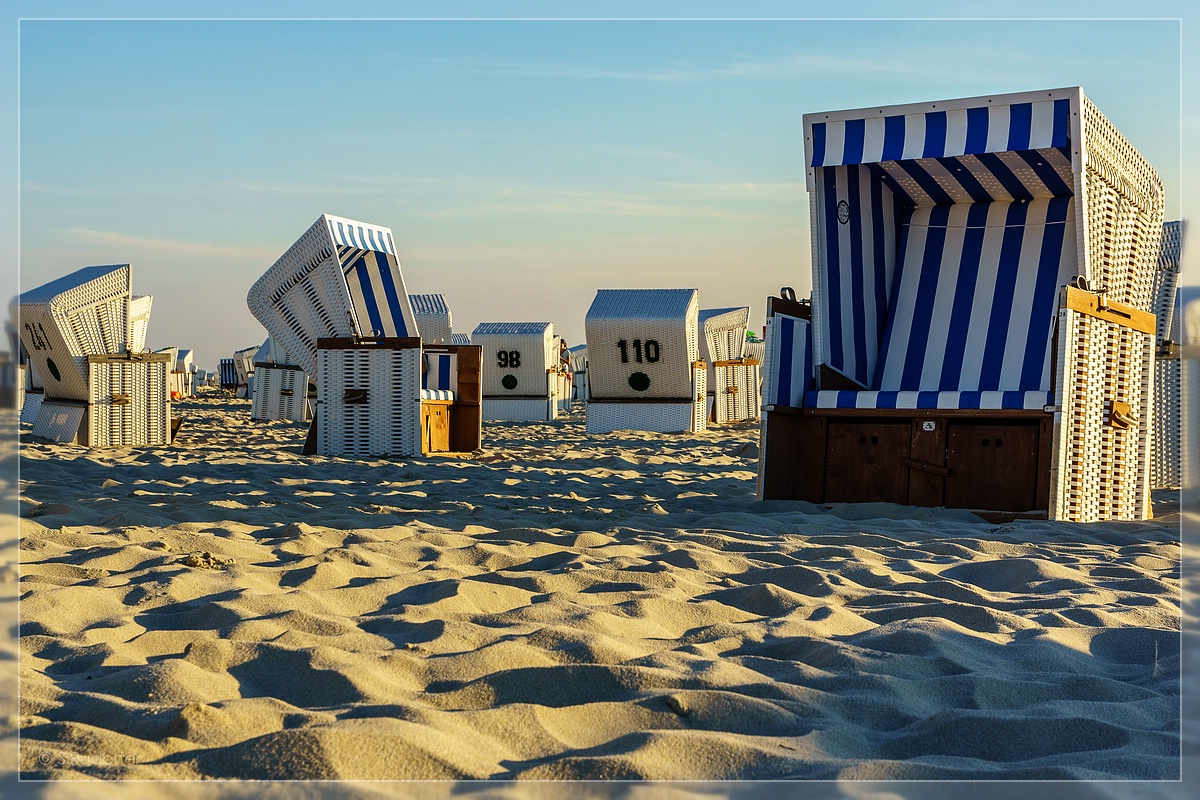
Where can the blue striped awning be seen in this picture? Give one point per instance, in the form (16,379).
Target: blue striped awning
(941,134)
(927,400)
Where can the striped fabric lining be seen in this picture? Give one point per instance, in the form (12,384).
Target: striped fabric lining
(981,178)
(437,394)
(974,297)
(788,361)
(863,250)
(928,400)
(377,292)
(940,134)
(360,236)
(229,373)
(441,371)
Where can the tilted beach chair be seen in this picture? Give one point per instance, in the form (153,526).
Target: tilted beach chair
(733,379)
(644,371)
(980,333)
(76,330)
(243,364)
(336,303)
(579,372)
(519,370)
(184,368)
(433,318)
(1166,465)
(280,386)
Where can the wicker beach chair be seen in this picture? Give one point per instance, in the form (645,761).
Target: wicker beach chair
(433,318)
(644,371)
(579,372)
(980,332)
(335,302)
(227,373)
(733,378)
(76,330)
(1166,465)
(460,338)
(280,386)
(519,370)
(243,364)
(563,375)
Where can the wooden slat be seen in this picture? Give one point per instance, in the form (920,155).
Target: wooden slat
(1118,313)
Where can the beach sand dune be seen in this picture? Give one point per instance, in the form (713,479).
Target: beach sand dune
(568,606)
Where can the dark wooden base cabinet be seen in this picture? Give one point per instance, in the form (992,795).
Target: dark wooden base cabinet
(985,460)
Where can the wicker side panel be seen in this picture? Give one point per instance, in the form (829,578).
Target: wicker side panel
(534,358)
(668,376)
(656,417)
(1167,464)
(129,405)
(303,297)
(518,409)
(56,357)
(1123,202)
(279,394)
(699,398)
(433,327)
(1100,471)
(389,422)
(30,406)
(59,421)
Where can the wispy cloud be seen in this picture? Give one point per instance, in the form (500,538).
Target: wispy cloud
(550,202)
(172,246)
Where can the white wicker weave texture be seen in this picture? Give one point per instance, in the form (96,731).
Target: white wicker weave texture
(31,405)
(388,421)
(1166,470)
(517,357)
(433,318)
(519,410)
(129,405)
(59,421)
(1099,470)
(641,343)
(64,321)
(1166,279)
(139,321)
(279,394)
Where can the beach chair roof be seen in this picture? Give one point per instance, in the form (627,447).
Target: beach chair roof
(459,338)
(643,303)
(738,317)
(511,328)
(429,304)
(111,279)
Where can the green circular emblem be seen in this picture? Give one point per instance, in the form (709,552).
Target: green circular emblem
(509,381)
(50,365)
(640,381)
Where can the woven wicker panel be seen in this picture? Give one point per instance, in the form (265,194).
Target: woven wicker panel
(519,410)
(641,343)
(433,317)
(144,420)
(64,321)
(1189,421)
(657,417)
(516,358)
(59,422)
(279,394)
(1166,279)
(303,296)
(31,404)
(1123,202)
(389,423)
(1166,469)
(723,333)
(1100,471)
(139,321)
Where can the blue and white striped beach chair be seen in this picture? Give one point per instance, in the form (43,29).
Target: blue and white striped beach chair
(228,374)
(1170,417)
(958,355)
(336,303)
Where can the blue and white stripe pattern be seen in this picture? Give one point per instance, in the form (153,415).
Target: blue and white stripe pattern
(441,372)
(943,237)
(789,361)
(460,338)
(229,375)
(988,128)
(437,394)
(367,254)
(927,400)
(974,298)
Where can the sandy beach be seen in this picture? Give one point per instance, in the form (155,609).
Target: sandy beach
(568,606)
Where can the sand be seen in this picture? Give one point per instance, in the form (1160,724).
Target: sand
(569,606)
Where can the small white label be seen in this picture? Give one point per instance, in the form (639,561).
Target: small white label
(929,425)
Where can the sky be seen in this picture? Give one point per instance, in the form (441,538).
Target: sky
(521,164)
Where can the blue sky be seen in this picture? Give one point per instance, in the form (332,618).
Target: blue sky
(521,164)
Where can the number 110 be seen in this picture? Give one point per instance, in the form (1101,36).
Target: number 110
(650,350)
